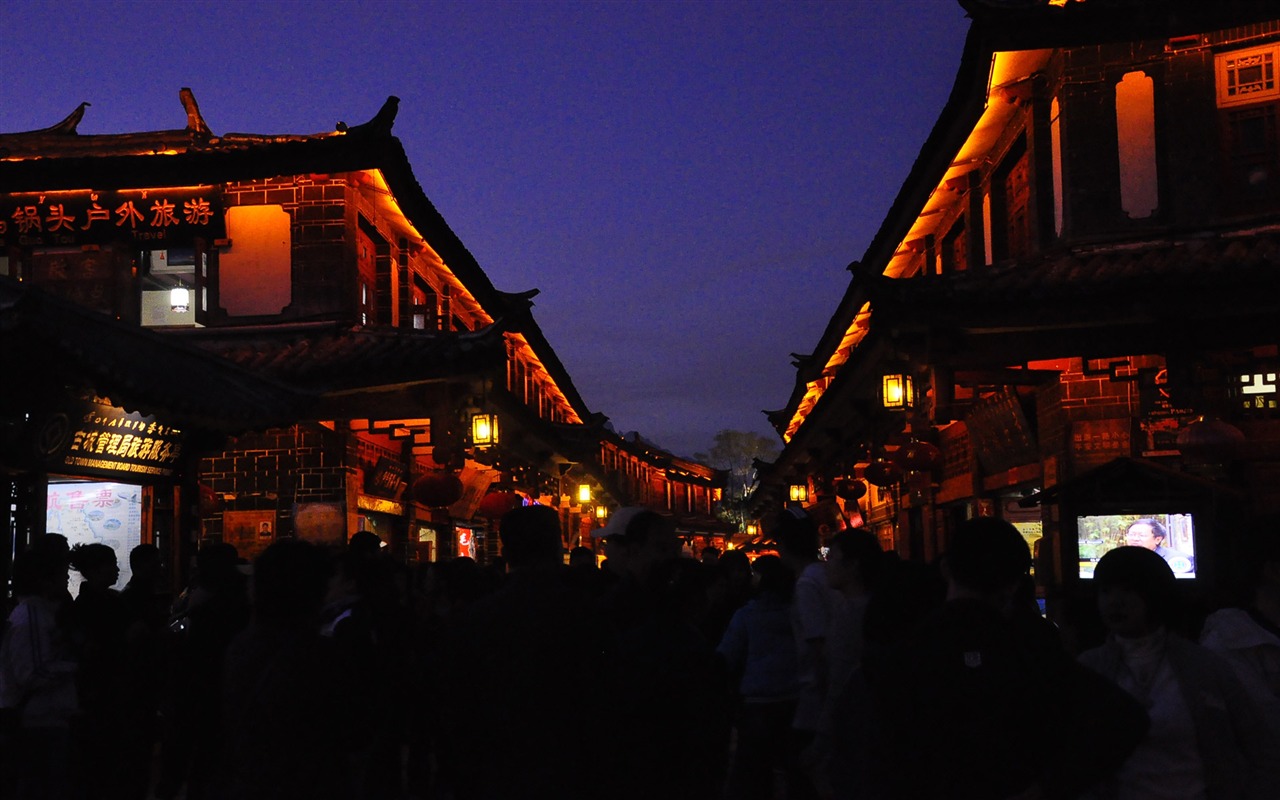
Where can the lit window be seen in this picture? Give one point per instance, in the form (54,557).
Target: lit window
(1247,76)
(1258,390)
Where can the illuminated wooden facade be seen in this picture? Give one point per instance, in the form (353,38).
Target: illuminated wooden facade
(640,473)
(1076,275)
(315,273)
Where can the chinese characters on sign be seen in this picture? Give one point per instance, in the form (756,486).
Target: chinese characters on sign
(142,215)
(109,440)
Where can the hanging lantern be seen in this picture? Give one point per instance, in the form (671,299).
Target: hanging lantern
(798,493)
(849,490)
(437,489)
(497,503)
(920,456)
(484,430)
(882,472)
(1210,439)
(898,391)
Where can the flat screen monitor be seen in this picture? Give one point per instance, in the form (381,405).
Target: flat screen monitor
(1172,536)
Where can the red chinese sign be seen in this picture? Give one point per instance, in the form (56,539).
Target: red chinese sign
(147,216)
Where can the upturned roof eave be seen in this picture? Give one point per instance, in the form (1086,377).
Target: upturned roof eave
(235,157)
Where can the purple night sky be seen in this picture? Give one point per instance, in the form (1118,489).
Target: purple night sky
(685,182)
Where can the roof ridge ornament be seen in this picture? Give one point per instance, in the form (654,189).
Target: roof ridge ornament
(381,123)
(67,126)
(195,123)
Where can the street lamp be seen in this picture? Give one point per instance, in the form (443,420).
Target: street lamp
(898,391)
(484,429)
(584,494)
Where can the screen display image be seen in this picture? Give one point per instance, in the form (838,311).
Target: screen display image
(1172,536)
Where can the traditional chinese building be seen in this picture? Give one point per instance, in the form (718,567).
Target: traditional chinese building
(1068,317)
(253,336)
(640,473)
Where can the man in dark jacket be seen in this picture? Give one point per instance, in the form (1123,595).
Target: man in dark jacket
(980,700)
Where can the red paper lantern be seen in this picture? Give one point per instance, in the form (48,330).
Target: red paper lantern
(210,501)
(920,456)
(495,504)
(437,489)
(850,490)
(882,472)
(919,480)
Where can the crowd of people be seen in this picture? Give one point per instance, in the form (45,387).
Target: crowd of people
(838,672)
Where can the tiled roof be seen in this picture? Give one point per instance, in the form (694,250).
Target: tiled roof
(326,357)
(47,343)
(59,158)
(1209,276)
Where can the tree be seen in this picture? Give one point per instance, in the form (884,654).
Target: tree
(736,453)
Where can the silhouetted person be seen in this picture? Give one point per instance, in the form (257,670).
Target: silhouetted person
(366,620)
(445,590)
(582,556)
(1208,738)
(99,620)
(729,591)
(214,610)
(855,563)
(529,645)
(147,663)
(38,682)
(979,701)
(811,609)
(289,716)
(1248,634)
(366,544)
(759,649)
(663,696)
(56,547)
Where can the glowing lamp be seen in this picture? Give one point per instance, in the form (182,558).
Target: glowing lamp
(584,493)
(484,430)
(180,299)
(601,513)
(798,493)
(897,391)
(753,529)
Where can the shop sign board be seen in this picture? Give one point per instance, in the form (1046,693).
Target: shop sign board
(107,441)
(385,479)
(148,217)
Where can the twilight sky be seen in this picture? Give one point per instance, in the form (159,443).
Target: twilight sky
(685,182)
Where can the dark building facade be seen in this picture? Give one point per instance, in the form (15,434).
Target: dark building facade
(1065,318)
(291,311)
